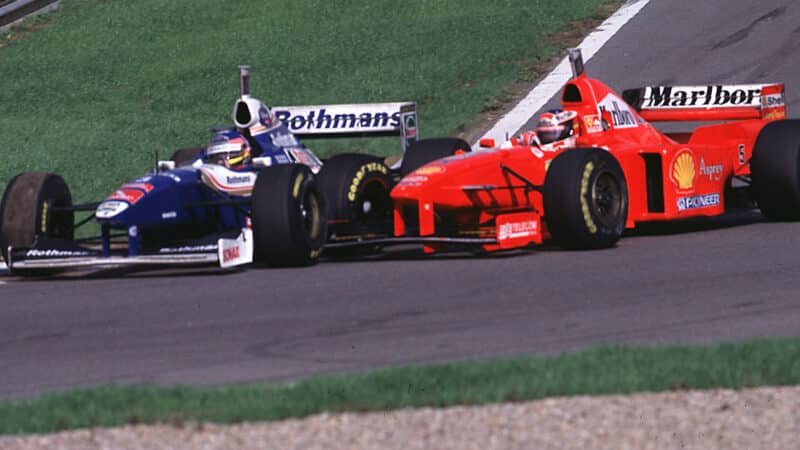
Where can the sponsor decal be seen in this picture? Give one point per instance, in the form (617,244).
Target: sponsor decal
(189,249)
(698,201)
(282,159)
(773,101)
(430,170)
(303,156)
(701,96)
(171,176)
(143,179)
(234,252)
(713,172)
(621,114)
(593,123)
(239,179)
(337,119)
(776,114)
(284,140)
(517,229)
(513,230)
(147,187)
(110,209)
(359,176)
(413,180)
(129,195)
(683,171)
(226,180)
(169,215)
(558,145)
(229,254)
(410,121)
(54,253)
(537,152)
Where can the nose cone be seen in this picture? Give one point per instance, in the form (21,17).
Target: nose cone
(144,199)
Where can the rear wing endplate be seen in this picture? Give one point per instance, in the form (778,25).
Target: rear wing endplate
(381,119)
(705,103)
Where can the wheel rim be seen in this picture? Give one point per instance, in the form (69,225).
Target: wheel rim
(309,211)
(606,199)
(374,202)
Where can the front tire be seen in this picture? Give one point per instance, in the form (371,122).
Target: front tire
(288,215)
(775,170)
(585,199)
(26,211)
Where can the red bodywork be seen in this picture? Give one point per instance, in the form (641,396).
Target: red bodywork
(491,196)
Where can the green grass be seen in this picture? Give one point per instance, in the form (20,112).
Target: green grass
(607,370)
(93,90)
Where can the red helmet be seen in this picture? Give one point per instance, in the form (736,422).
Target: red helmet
(555,125)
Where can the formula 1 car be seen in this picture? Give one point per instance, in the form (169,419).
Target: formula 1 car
(256,192)
(621,172)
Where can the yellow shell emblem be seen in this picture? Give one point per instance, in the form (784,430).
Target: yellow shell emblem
(683,171)
(429,170)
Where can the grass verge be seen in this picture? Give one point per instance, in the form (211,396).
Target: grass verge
(92,91)
(605,370)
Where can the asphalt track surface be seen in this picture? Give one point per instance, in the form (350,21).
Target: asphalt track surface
(696,282)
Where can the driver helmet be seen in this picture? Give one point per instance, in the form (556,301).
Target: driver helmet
(228,148)
(556,125)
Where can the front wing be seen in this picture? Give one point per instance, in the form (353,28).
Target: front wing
(226,252)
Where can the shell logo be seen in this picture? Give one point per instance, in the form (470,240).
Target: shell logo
(683,170)
(429,170)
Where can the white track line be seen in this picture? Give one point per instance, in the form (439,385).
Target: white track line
(555,80)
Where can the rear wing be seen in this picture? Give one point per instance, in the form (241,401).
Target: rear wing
(380,119)
(706,103)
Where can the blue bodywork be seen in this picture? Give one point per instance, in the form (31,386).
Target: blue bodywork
(182,209)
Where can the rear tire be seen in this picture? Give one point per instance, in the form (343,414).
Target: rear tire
(26,211)
(356,189)
(424,151)
(585,199)
(775,170)
(288,215)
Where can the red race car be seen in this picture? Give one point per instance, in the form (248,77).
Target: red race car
(613,171)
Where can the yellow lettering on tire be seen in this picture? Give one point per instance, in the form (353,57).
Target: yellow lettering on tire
(359,176)
(587,215)
(45,205)
(297,182)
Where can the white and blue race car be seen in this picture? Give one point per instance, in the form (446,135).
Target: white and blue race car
(254,193)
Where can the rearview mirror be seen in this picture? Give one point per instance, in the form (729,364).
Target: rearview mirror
(486,143)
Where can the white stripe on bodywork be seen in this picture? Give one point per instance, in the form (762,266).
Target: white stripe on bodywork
(554,81)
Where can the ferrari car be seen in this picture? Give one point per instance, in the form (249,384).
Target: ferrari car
(254,193)
(621,172)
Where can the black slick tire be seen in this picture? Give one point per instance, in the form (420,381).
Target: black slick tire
(356,189)
(585,199)
(288,216)
(424,151)
(27,210)
(775,170)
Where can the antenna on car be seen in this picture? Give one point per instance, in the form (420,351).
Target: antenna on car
(244,80)
(576,61)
